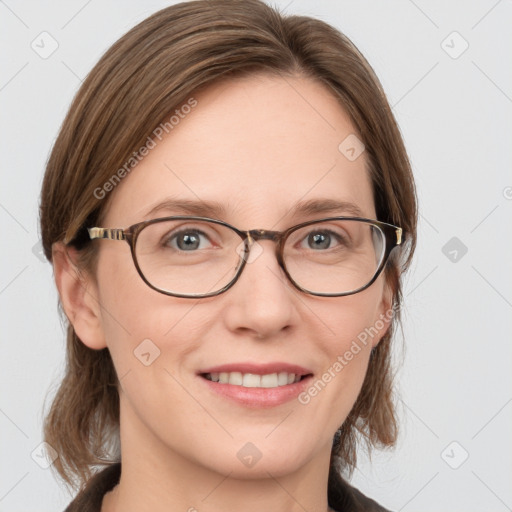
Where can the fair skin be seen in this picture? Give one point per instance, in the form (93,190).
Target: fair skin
(256,146)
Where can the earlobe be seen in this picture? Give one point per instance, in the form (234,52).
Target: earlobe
(78,296)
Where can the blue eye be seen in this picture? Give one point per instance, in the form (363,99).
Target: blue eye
(186,240)
(318,240)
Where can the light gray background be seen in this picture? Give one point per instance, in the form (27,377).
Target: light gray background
(455,115)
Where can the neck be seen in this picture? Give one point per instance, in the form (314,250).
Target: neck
(156,478)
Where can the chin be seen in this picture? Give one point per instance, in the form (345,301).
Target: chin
(256,459)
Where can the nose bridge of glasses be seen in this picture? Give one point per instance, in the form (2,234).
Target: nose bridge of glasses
(264,234)
(255,235)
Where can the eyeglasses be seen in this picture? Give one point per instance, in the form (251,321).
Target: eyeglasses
(196,257)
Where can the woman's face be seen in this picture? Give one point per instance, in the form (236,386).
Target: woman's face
(257,146)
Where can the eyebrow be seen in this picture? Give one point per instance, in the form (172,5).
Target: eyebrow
(325,206)
(216,210)
(198,208)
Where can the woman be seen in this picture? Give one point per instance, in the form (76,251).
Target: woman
(228,208)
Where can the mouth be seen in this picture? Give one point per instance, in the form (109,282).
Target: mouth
(253,380)
(254,385)
(257,390)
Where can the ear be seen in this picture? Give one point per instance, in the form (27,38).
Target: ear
(385,313)
(78,295)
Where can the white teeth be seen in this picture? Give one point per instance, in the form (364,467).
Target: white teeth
(251,380)
(282,379)
(269,381)
(235,378)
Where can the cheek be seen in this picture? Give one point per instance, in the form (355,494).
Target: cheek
(136,319)
(352,326)
(150,336)
(353,323)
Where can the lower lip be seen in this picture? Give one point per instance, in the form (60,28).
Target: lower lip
(259,397)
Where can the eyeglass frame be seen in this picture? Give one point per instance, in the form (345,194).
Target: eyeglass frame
(393,237)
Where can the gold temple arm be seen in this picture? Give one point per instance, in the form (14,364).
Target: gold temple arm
(111,234)
(398,236)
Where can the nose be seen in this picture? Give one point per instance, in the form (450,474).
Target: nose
(262,302)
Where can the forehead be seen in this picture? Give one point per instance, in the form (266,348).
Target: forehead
(256,146)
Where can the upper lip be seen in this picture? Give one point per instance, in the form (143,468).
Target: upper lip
(258,369)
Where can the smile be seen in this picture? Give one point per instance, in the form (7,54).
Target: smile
(251,380)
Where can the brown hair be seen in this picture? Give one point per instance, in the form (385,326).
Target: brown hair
(134,87)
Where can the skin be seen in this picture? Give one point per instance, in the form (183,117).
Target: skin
(257,145)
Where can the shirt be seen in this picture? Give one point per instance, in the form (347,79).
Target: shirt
(344,498)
